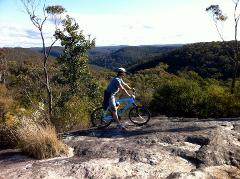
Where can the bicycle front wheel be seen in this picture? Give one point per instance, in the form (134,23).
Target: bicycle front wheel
(139,115)
(97,118)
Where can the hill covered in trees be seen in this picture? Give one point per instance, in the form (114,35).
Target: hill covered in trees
(126,56)
(207,59)
(119,56)
(22,54)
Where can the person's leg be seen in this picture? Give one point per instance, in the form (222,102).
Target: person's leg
(113,107)
(115,117)
(119,125)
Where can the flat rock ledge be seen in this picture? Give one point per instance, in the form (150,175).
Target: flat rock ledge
(165,148)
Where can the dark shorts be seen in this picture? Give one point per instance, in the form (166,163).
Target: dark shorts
(109,101)
(106,98)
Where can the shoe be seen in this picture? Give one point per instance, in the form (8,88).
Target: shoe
(121,128)
(107,118)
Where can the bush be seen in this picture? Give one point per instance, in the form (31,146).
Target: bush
(74,114)
(6,102)
(220,103)
(237,91)
(193,98)
(7,105)
(178,98)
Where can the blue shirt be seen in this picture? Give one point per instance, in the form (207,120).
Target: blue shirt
(114,85)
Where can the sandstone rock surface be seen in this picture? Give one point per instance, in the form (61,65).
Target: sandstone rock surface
(164,148)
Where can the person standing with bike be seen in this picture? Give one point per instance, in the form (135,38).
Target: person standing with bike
(113,88)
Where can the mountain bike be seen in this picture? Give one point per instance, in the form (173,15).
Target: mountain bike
(138,114)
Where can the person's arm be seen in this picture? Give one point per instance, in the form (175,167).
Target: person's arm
(126,85)
(122,88)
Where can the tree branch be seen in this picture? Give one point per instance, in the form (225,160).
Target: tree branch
(50,48)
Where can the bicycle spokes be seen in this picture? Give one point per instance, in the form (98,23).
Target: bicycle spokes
(139,115)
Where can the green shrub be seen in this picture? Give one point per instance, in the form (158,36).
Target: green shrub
(217,100)
(191,98)
(220,103)
(237,90)
(178,98)
(74,114)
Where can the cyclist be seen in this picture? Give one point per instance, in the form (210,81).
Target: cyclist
(114,86)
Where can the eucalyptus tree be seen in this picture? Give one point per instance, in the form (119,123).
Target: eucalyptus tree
(52,13)
(218,18)
(74,71)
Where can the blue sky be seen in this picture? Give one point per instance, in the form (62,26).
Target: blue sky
(121,22)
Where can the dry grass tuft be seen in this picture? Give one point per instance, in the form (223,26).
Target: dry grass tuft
(31,133)
(39,141)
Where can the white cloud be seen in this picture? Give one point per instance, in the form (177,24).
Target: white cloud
(185,24)
(23,35)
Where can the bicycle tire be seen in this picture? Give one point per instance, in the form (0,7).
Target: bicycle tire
(139,115)
(96,118)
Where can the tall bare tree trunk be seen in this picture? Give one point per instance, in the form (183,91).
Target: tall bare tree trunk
(47,81)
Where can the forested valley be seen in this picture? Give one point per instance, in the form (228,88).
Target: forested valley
(190,80)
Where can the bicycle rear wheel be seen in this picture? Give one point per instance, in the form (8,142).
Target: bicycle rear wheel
(139,115)
(97,118)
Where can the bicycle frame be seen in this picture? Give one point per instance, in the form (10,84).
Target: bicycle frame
(130,102)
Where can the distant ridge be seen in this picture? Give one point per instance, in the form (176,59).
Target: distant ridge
(208,59)
(116,56)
